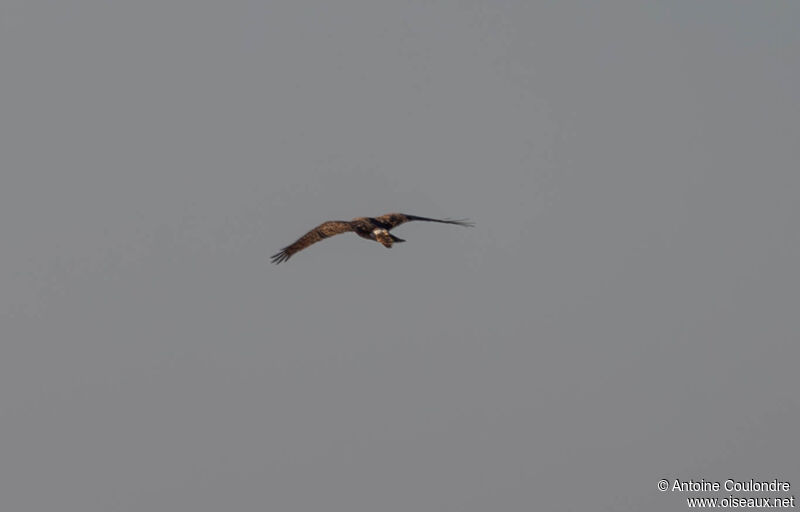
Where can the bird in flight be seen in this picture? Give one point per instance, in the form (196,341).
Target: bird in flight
(371,228)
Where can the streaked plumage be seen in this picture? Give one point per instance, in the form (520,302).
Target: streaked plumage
(371,228)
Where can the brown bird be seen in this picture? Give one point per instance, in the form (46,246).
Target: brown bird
(371,228)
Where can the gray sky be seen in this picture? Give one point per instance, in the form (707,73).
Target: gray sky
(626,309)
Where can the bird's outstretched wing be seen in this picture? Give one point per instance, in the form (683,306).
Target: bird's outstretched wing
(391,220)
(321,232)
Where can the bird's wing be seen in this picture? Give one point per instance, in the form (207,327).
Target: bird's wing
(321,232)
(391,220)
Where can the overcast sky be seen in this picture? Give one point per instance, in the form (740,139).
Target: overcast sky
(625,310)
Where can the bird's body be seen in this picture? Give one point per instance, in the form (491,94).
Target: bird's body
(371,228)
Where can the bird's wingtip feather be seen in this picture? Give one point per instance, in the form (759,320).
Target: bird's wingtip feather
(279,257)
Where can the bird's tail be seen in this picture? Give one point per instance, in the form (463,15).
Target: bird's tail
(458,222)
(395,239)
